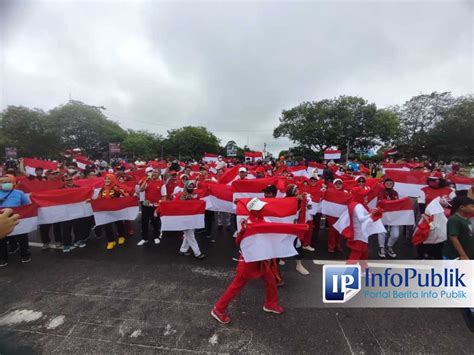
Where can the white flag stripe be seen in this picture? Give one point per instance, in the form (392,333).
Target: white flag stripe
(26,225)
(266,246)
(66,212)
(408,190)
(218,205)
(332,209)
(126,214)
(180,223)
(328,156)
(461,187)
(399,218)
(272,219)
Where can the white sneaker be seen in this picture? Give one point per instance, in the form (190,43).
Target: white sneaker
(281,262)
(141,242)
(157,240)
(309,248)
(301,269)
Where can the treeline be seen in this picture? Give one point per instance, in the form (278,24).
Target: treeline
(437,126)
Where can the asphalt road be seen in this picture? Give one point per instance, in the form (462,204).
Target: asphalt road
(150,300)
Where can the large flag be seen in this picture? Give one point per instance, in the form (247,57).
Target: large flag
(218,198)
(298,170)
(208,158)
(254,156)
(31,164)
(96,183)
(330,154)
(315,167)
(335,202)
(108,210)
(28,219)
(81,161)
(28,186)
(264,241)
(395,166)
(369,226)
(230,175)
(462,182)
(279,210)
(437,222)
(398,212)
(408,183)
(63,205)
(182,215)
(251,188)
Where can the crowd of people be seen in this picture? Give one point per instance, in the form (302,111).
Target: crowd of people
(447,236)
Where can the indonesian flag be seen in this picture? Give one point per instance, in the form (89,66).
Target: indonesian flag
(335,202)
(62,205)
(390,152)
(315,167)
(208,158)
(81,161)
(277,210)
(159,165)
(219,198)
(254,156)
(436,219)
(398,212)
(28,219)
(395,166)
(28,186)
(31,164)
(230,175)
(264,241)
(96,183)
(182,215)
(251,188)
(408,183)
(369,226)
(298,171)
(108,210)
(332,154)
(462,182)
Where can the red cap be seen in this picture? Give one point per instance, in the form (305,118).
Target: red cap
(436,175)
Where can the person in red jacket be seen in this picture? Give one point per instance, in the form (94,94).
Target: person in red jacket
(248,271)
(386,246)
(334,237)
(151,186)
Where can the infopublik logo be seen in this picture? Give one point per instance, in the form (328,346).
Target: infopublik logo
(340,283)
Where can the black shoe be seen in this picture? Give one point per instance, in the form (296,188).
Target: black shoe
(3,263)
(184,254)
(200,256)
(25,259)
(13,250)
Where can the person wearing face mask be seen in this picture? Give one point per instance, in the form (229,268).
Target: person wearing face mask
(189,239)
(388,193)
(437,187)
(151,186)
(220,164)
(10,197)
(247,271)
(111,190)
(72,170)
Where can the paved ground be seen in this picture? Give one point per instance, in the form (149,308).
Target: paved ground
(150,300)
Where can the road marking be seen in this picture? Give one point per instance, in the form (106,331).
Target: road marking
(56,322)
(376,264)
(20,316)
(213,339)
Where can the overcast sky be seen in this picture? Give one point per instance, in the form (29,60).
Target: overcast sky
(231,67)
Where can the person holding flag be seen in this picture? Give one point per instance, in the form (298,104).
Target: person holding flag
(247,271)
(334,237)
(111,190)
(386,246)
(151,186)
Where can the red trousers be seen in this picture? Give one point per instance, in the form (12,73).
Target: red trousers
(246,272)
(308,236)
(334,238)
(359,253)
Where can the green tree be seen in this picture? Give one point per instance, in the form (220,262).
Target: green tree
(191,142)
(452,137)
(142,144)
(77,125)
(418,116)
(339,122)
(26,130)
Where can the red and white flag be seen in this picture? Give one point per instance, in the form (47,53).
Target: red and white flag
(28,219)
(208,158)
(395,166)
(264,241)
(335,202)
(461,182)
(31,164)
(29,186)
(330,154)
(96,183)
(251,188)
(398,212)
(219,198)
(298,170)
(108,210)
(368,226)
(182,215)
(230,175)
(63,205)
(81,161)
(254,156)
(408,183)
(277,210)
(314,167)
